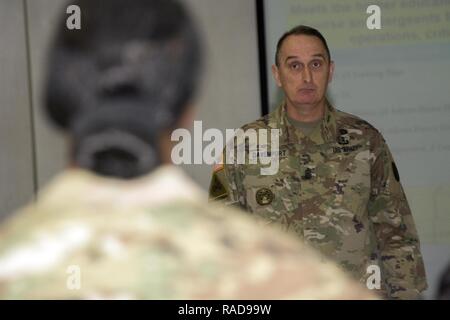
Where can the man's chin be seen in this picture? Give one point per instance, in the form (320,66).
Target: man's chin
(305,99)
(305,103)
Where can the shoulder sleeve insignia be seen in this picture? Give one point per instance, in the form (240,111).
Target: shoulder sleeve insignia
(218,166)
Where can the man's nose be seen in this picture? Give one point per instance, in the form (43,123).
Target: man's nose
(307,75)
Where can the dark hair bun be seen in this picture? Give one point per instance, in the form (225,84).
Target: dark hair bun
(119,82)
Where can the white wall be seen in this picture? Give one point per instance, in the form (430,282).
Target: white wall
(16,155)
(230,95)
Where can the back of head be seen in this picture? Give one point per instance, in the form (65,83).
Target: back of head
(121,81)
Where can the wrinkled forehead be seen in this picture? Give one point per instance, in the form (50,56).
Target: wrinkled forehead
(303,46)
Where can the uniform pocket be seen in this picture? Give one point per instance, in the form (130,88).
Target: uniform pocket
(350,173)
(270,197)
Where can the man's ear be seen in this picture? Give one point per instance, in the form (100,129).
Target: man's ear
(276,75)
(331,73)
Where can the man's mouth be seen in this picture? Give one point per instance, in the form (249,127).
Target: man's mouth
(306,90)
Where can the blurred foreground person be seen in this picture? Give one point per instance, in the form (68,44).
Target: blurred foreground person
(122,222)
(444,285)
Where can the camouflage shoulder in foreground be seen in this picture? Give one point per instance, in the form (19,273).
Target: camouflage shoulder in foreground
(153,238)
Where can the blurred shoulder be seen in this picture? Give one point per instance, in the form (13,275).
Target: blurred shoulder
(173,242)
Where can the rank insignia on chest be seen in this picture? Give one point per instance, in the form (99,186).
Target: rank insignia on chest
(310,173)
(343,137)
(264,196)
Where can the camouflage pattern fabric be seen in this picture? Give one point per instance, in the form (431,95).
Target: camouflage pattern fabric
(153,238)
(339,190)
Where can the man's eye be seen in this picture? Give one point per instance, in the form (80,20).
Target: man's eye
(316,64)
(295,66)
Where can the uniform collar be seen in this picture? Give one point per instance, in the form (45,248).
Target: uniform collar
(165,184)
(324,133)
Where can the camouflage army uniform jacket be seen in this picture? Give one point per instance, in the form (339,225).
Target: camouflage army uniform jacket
(339,190)
(155,237)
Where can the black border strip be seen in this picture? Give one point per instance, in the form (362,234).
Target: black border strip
(260,22)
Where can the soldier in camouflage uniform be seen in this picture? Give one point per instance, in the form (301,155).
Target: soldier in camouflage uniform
(123,222)
(337,186)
